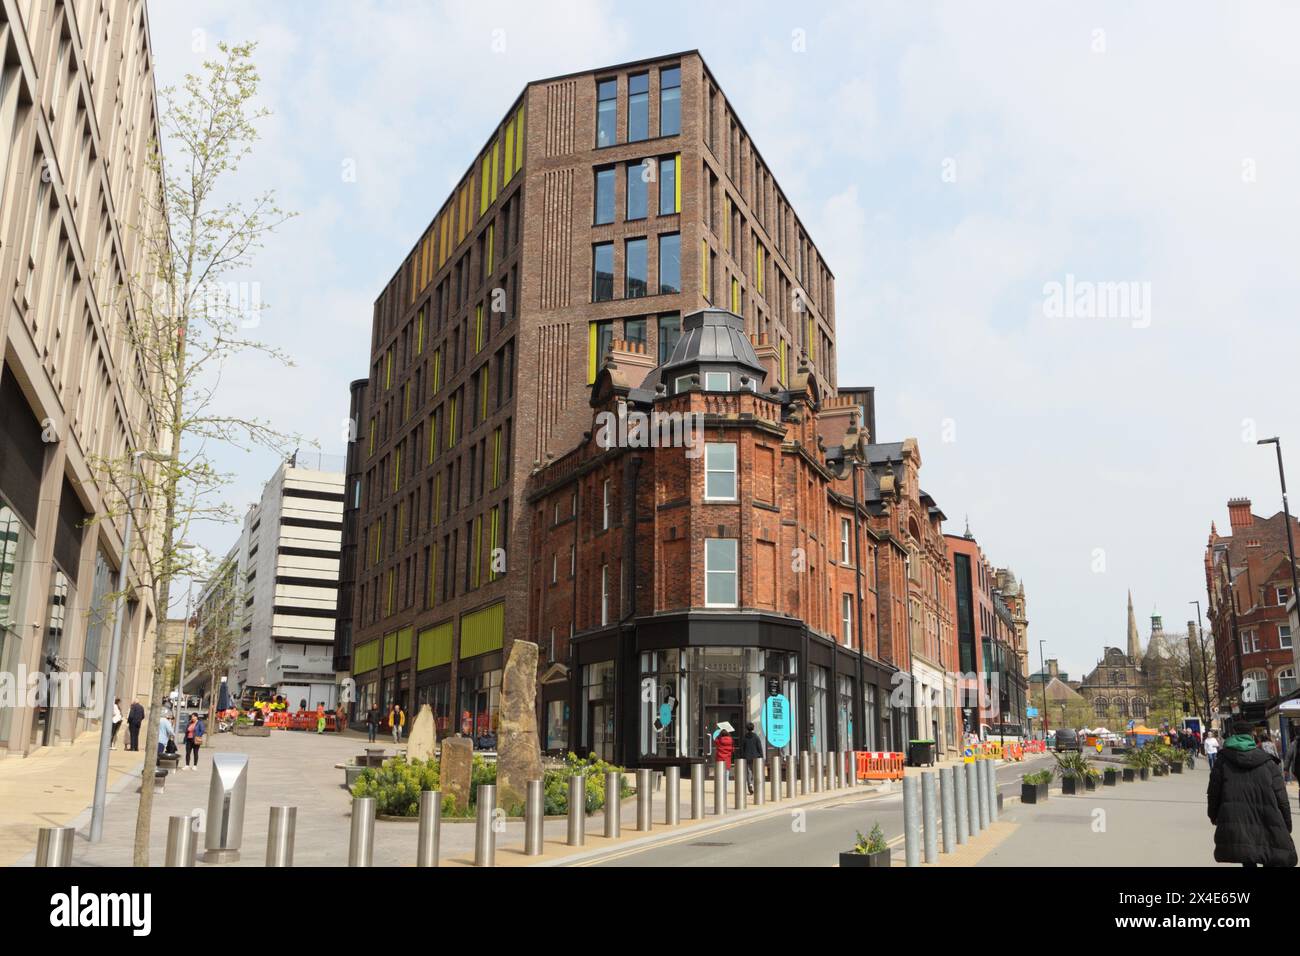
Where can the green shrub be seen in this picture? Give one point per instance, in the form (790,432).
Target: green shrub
(397,784)
(1073,765)
(874,842)
(1038,777)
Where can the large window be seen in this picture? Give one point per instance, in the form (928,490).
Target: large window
(669,196)
(670,101)
(1254,686)
(604,594)
(637,267)
(1286,683)
(602,272)
(480,708)
(719,471)
(634,331)
(600,339)
(606,112)
(638,107)
(717,381)
(846,616)
(670,263)
(721,585)
(638,188)
(670,330)
(846,534)
(604,196)
(1284,636)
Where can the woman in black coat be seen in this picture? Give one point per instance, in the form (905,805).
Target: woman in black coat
(1247,803)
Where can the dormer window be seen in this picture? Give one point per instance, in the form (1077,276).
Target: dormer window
(717,381)
(683,384)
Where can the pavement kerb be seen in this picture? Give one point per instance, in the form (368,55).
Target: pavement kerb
(81,821)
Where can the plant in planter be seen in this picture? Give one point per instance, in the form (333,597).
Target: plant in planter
(1034,786)
(1137,764)
(1074,770)
(1093,779)
(1110,777)
(869,851)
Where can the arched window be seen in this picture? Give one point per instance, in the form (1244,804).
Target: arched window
(1286,681)
(1139,708)
(1254,686)
(1099,706)
(1121,707)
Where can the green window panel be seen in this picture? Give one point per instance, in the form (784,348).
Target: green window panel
(435,646)
(482,631)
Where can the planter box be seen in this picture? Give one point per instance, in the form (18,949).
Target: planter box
(1130,774)
(1109,778)
(1144,773)
(1069,786)
(262,731)
(1033,792)
(1175,768)
(1089,783)
(865,859)
(1161,771)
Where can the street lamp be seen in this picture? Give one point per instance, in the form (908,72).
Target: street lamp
(115,654)
(1276,442)
(1042,662)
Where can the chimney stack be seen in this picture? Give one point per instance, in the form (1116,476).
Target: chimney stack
(1239,514)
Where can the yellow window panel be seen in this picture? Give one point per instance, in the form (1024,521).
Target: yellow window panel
(519,139)
(491,251)
(496,457)
(677,183)
(437,369)
(485,167)
(388,369)
(496,155)
(509,169)
(591,352)
(478,328)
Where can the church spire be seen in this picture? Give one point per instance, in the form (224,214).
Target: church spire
(1134,642)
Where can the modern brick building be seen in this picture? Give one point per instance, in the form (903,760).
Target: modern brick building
(78,115)
(604,205)
(1248,578)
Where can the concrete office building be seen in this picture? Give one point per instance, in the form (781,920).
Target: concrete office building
(77,116)
(604,206)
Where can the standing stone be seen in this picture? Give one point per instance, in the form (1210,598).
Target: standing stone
(424,734)
(519,751)
(455,769)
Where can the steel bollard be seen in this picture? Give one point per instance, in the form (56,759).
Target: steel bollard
(805,774)
(577,810)
(850,768)
(672,796)
(697,791)
(983,795)
(429,837)
(361,843)
(774,778)
(485,838)
(973,797)
(644,800)
(719,788)
(54,846)
(760,781)
(739,784)
(832,776)
(993,790)
(959,801)
(613,804)
(534,816)
(791,775)
(279,836)
(182,842)
(911,822)
(225,824)
(928,808)
(819,772)
(948,807)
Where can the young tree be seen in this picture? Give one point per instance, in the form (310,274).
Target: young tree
(186,325)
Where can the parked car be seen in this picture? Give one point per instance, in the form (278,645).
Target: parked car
(1067,740)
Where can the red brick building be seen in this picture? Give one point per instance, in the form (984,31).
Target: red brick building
(683,581)
(1248,578)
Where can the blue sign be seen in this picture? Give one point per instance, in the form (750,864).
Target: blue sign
(665,715)
(776,721)
(1031,711)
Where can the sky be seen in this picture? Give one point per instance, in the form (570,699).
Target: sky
(1064,238)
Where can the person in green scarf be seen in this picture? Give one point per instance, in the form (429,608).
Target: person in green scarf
(1247,803)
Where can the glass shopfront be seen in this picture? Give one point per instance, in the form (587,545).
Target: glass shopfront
(15,558)
(597,710)
(869,715)
(557,725)
(686,693)
(844,711)
(480,708)
(56,621)
(438,696)
(819,678)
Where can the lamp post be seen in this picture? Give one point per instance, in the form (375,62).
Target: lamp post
(1276,442)
(1042,662)
(1205,675)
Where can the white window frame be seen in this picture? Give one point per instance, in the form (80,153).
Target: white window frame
(1283,594)
(604,595)
(846,532)
(846,616)
(1285,639)
(733,470)
(1288,675)
(573,560)
(604,506)
(679,387)
(709,376)
(1259,677)
(555,566)
(734,572)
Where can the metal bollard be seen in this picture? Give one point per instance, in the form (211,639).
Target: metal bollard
(577,810)
(973,797)
(804,774)
(948,807)
(774,777)
(832,775)
(429,836)
(534,816)
(850,768)
(182,841)
(485,838)
(983,787)
(225,825)
(928,813)
(911,822)
(279,836)
(697,791)
(672,796)
(760,783)
(993,790)
(791,775)
(54,846)
(644,800)
(613,804)
(361,842)
(819,772)
(738,767)
(719,788)
(959,800)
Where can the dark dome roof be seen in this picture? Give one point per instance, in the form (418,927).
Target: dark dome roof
(713,335)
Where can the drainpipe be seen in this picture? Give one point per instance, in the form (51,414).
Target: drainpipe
(857,579)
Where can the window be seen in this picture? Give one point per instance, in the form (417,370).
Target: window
(1249,642)
(606,112)
(1283,595)
(720,572)
(670,263)
(634,330)
(604,506)
(573,560)
(1284,636)
(846,534)
(670,330)
(670,194)
(636,266)
(846,616)
(638,107)
(735,296)
(637,188)
(604,196)
(604,594)
(717,381)
(600,337)
(719,471)
(602,272)
(1286,683)
(555,566)
(1254,686)
(670,101)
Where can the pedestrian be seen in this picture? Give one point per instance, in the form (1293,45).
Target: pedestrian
(134,718)
(725,748)
(320,717)
(1211,747)
(194,732)
(341,718)
(751,749)
(1264,740)
(166,736)
(372,722)
(397,720)
(117,722)
(1247,803)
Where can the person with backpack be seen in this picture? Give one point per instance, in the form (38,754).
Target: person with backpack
(1247,803)
(751,750)
(372,722)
